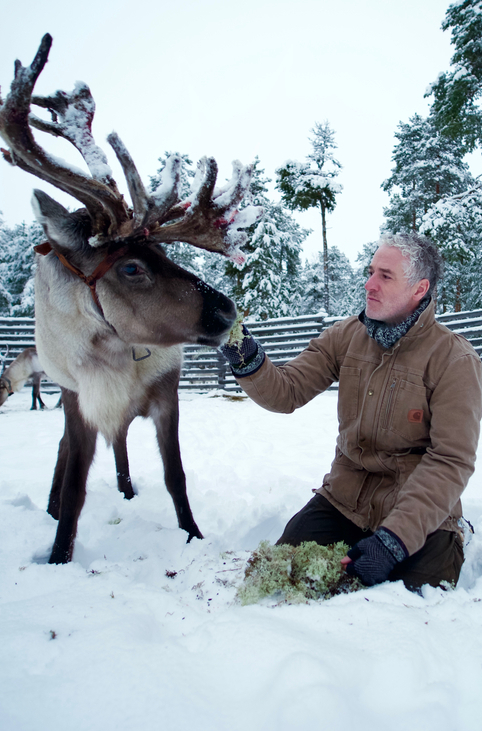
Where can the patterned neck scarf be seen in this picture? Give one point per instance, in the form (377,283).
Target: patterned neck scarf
(387,335)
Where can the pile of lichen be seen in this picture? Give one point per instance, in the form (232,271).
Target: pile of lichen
(295,574)
(236,334)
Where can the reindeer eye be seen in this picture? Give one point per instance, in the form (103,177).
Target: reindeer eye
(131,270)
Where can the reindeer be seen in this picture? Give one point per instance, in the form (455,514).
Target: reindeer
(26,365)
(112,310)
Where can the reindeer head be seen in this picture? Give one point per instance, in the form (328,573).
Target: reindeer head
(109,245)
(5,385)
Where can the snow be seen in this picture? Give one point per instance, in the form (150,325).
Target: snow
(77,124)
(168,180)
(109,641)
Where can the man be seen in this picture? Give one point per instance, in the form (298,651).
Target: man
(409,410)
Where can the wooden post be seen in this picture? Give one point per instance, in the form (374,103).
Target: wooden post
(221,370)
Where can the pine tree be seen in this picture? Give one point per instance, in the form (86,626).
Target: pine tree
(17,268)
(428,167)
(5,296)
(455,225)
(266,284)
(181,253)
(456,93)
(312,185)
(360,275)
(340,273)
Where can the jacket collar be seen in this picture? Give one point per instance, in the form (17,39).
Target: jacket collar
(426,319)
(389,335)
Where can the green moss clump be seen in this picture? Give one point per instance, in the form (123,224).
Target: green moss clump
(296,573)
(236,334)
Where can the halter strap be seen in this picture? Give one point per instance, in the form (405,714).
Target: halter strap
(91,279)
(9,384)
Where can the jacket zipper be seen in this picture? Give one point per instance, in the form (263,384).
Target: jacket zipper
(386,419)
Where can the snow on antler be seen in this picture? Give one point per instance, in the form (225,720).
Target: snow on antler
(76,111)
(208,219)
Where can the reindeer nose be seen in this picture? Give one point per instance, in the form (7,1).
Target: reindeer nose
(218,313)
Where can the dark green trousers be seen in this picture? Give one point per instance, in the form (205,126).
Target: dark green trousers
(439,559)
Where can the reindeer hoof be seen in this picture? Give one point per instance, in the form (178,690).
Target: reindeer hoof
(194,533)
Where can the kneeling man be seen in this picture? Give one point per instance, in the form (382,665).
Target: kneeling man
(409,410)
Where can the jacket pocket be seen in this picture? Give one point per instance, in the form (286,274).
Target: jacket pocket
(409,413)
(348,391)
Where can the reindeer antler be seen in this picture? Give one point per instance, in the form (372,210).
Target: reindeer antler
(103,203)
(208,219)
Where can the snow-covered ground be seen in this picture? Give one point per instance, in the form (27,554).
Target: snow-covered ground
(111,642)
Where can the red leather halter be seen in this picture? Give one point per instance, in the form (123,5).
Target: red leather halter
(91,279)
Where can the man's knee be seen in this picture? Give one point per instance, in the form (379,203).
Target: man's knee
(321,522)
(438,562)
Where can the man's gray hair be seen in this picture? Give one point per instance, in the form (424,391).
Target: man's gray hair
(424,259)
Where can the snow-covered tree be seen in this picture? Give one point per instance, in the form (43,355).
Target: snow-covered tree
(5,296)
(455,225)
(360,276)
(340,272)
(428,167)
(311,184)
(456,93)
(312,280)
(342,295)
(183,254)
(266,284)
(17,268)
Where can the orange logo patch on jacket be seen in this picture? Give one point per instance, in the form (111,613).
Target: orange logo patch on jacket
(415,416)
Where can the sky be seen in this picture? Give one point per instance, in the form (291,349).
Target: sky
(236,80)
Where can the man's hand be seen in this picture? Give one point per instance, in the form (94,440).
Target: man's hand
(373,559)
(243,353)
(240,352)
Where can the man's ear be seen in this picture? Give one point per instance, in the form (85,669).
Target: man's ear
(421,290)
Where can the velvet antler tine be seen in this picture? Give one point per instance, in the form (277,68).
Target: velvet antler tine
(105,204)
(205,192)
(208,218)
(136,187)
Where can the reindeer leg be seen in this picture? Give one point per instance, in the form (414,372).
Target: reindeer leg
(36,393)
(35,387)
(122,465)
(76,453)
(53,508)
(165,413)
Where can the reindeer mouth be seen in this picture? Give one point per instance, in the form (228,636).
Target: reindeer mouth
(217,319)
(212,341)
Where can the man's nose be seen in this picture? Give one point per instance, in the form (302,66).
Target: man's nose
(370,283)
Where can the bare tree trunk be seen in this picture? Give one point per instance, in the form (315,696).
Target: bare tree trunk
(326,280)
(414,213)
(458,304)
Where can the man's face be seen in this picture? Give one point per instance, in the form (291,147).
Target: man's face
(390,298)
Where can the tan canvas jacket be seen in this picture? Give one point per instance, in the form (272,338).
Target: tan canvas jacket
(409,420)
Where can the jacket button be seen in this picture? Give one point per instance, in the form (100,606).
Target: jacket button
(370,393)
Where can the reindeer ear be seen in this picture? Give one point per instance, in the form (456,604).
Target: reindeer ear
(52,216)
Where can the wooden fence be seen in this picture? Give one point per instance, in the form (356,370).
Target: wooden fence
(283,338)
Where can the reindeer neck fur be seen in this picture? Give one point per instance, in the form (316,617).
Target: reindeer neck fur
(82,352)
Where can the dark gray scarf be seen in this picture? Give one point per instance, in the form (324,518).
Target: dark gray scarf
(387,335)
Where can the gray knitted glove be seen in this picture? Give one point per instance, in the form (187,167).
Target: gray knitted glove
(374,558)
(245,356)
